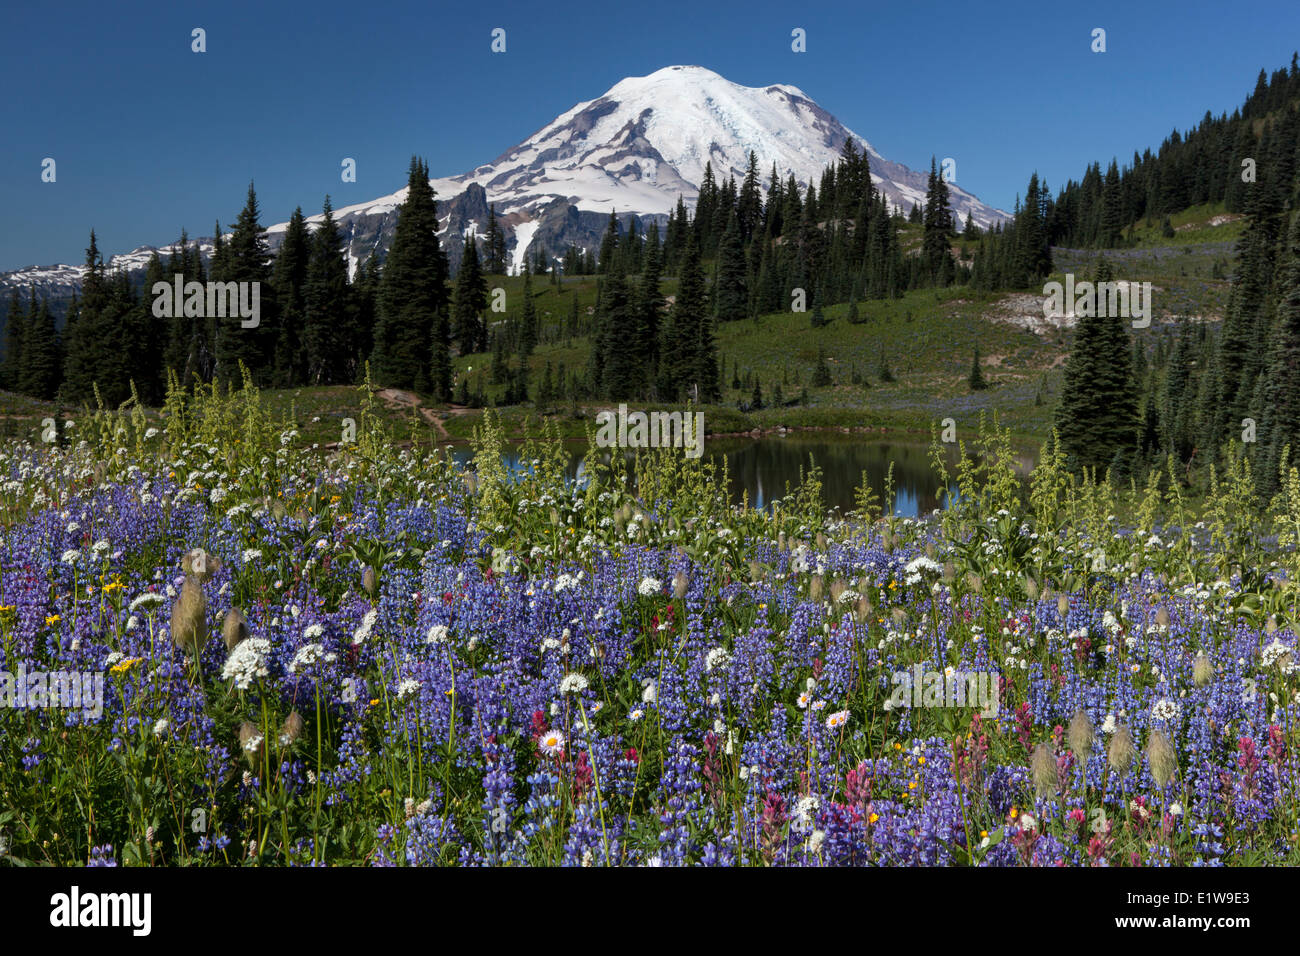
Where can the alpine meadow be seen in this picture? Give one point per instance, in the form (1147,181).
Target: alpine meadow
(688,485)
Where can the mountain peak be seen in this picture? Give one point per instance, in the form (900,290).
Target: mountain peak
(634,150)
(695,76)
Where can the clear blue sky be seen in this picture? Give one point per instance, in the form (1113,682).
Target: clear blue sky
(150,137)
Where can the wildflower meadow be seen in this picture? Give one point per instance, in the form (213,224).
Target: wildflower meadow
(371,655)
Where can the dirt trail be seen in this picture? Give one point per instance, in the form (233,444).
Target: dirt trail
(394,399)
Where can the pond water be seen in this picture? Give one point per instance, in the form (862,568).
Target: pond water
(762,467)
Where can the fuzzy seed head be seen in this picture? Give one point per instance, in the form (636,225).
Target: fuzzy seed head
(234,628)
(369,581)
(189,623)
(1120,752)
(1042,764)
(1202,670)
(291,729)
(862,612)
(251,744)
(199,566)
(681,582)
(1163,760)
(1081,735)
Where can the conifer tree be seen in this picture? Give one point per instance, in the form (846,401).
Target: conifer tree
(412,333)
(468,328)
(247,260)
(730,295)
(289,275)
(609,245)
(328,329)
(1281,422)
(15,327)
(528,324)
(689,348)
(144,337)
(622,370)
(649,311)
(749,205)
(93,346)
(1097,419)
(976,379)
(937,219)
(822,371)
(495,246)
(41,372)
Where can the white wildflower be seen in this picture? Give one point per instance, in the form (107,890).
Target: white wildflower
(573,683)
(247,662)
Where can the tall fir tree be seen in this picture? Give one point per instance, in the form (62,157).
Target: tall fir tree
(329,332)
(937,221)
(412,341)
(468,329)
(1097,419)
(1281,420)
(41,372)
(15,333)
(93,349)
(730,295)
(528,320)
(289,275)
(247,261)
(494,245)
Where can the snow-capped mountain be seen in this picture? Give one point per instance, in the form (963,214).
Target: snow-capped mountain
(633,151)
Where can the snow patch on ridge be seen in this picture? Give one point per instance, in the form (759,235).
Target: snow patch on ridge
(524,233)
